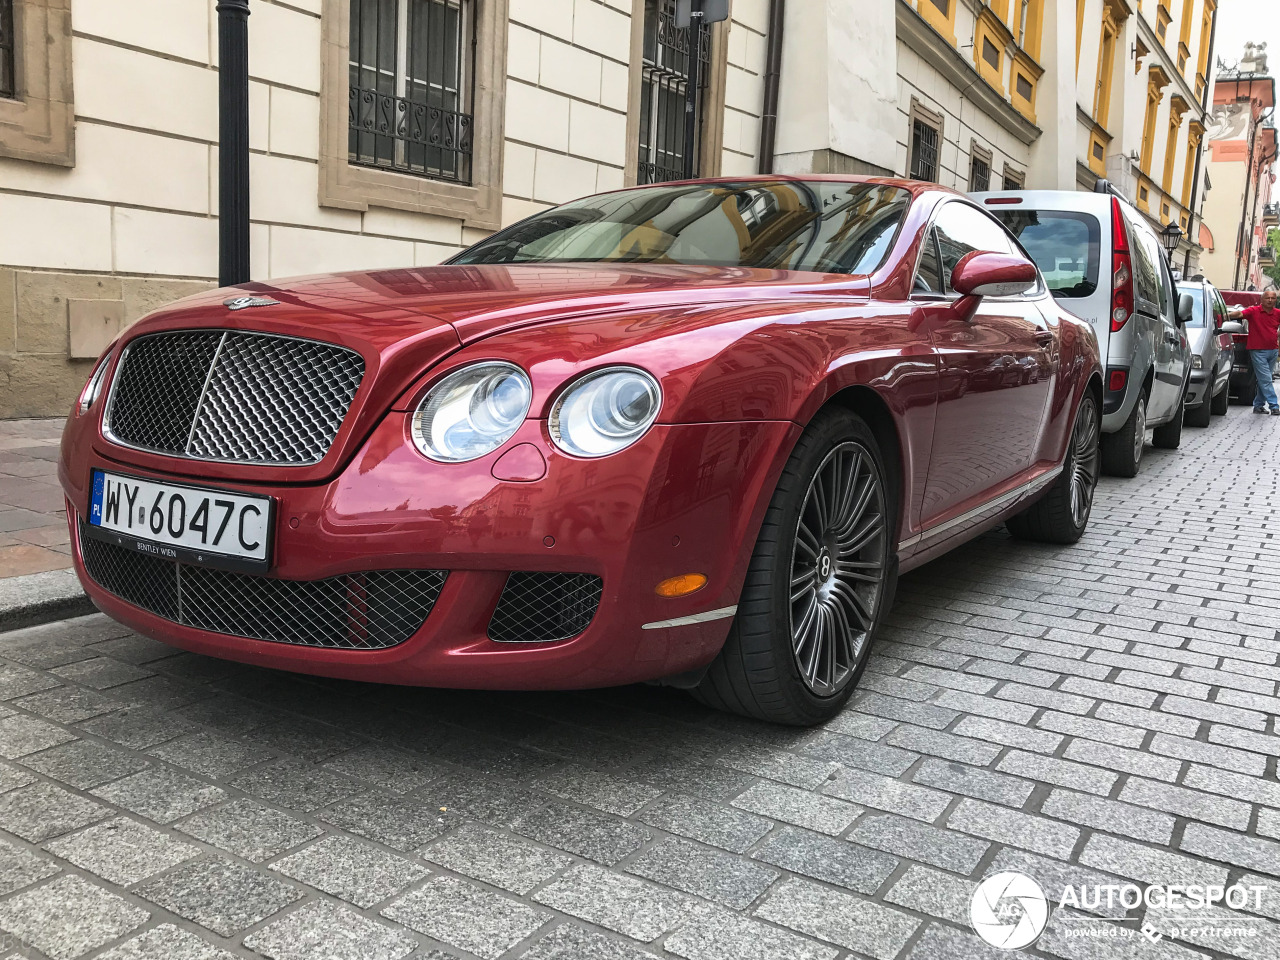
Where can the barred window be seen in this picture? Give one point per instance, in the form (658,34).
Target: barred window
(663,94)
(979,174)
(412,92)
(924,151)
(8,80)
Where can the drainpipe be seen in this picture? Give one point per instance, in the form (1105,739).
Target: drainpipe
(1193,240)
(772,81)
(233,142)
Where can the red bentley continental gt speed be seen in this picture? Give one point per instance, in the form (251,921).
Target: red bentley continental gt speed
(686,433)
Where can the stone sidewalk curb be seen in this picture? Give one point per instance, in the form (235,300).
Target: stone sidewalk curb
(41,598)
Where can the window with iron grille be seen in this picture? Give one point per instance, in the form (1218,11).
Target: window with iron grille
(664,92)
(411,90)
(924,151)
(979,174)
(8,85)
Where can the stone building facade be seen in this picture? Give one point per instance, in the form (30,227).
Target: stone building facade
(391,133)
(1241,150)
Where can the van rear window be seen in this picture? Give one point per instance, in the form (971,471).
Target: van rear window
(1066,246)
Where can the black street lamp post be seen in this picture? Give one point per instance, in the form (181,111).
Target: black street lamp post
(233,141)
(1170,237)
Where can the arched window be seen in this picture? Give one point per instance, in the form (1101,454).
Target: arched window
(8,80)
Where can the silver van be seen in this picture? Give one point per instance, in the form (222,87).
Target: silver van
(1103,261)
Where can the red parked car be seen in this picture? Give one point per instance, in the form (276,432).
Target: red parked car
(686,433)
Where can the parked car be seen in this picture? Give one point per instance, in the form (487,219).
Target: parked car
(687,433)
(1244,387)
(1211,353)
(1104,262)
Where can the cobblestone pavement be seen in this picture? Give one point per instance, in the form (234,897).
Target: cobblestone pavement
(1100,713)
(33,533)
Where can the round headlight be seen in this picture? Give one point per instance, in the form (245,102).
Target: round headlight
(605,411)
(472,412)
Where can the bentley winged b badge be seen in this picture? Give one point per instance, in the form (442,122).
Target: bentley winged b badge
(240,303)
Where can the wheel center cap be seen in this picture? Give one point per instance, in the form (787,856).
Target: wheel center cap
(824,564)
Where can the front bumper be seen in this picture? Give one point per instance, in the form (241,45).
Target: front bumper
(685,499)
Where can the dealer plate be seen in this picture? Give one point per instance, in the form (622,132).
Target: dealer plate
(216,528)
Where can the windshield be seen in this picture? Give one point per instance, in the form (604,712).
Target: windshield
(1065,246)
(786,225)
(1197,298)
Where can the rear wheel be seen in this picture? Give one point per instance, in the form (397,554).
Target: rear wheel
(1062,514)
(1221,401)
(1199,415)
(820,581)
(1122,450)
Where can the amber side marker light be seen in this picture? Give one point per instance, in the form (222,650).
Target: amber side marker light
(681,586)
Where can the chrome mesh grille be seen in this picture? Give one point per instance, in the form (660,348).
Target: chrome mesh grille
(357,611)
(233,396)
(545,607)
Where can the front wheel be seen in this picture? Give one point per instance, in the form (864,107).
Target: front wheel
(1221,402)
(820,582)
(1062,514)
(1199,415)
(1168,436)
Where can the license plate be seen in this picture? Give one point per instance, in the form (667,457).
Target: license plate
(175,522)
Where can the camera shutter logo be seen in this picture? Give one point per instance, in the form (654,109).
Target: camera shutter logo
(1009,910)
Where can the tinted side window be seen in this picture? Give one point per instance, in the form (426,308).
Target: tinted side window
(962,229)
(1067,247)
(929,274)
(1219,309)
(1146,274)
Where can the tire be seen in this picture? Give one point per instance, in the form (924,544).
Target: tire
(1248,390)
(761,672)
(1167,436)
(1199,415)
(1122,450)
(1221,402)
(1062,514)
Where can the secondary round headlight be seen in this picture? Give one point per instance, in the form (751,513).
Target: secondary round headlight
(605,411)
(472,412)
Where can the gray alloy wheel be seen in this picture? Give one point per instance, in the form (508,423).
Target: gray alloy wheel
(1122,450)
(838,564)
(1084,471)
(1062,513)
(820,582)
(1140,431)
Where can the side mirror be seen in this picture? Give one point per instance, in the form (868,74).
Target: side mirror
(981,274)
(1186,309)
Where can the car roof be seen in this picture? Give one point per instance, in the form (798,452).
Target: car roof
(915,187)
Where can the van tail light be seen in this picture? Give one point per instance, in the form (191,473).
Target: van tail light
(1121,270)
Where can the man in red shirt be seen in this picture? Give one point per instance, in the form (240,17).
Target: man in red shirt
(1263,344)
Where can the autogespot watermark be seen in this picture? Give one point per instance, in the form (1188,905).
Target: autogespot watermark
(1010,910)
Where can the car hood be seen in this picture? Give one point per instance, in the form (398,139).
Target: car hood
(405,321)
(484,299)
